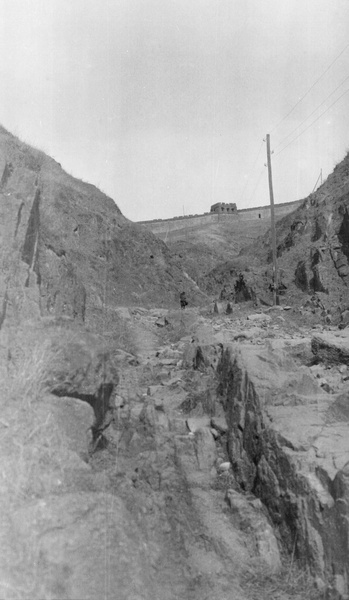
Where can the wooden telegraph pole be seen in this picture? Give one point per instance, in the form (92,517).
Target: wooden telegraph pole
(273,232)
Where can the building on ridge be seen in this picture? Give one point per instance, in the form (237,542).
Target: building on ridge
(224,207)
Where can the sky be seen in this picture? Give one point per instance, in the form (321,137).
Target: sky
(164,104)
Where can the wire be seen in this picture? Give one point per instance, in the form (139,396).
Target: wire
(308,117)
(252,169)
(309,90)
(312,123)
(255,187)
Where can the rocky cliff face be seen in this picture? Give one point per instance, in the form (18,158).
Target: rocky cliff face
(68,251)
(288,445)
(313,242)
(312,250)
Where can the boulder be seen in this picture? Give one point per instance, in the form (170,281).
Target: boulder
(248,334)
(331,347)
(66,360)
(73,418)
(161,322)
(220,424)
(85,367)
(202,357)
(195,423)
(224,466)
(259,318)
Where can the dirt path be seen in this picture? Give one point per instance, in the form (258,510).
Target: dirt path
(146,341)
(168,477)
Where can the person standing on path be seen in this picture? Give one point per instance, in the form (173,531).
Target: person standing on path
(183,300)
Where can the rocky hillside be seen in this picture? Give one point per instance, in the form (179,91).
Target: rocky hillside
(68,251)
(312,250)
(313,242)
(201,249)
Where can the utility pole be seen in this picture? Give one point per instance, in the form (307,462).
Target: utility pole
(273,232)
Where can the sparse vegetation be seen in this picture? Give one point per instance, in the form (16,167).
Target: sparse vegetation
(33,456)
(25,387)
(292,583)
(123,336)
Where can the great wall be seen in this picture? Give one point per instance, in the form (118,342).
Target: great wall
(163,227)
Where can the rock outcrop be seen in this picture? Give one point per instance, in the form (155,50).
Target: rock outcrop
(288,444)
(312,243)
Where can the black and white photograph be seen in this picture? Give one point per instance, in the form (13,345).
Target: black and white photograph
(174,300)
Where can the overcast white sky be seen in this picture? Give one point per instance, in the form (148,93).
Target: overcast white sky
(164,104)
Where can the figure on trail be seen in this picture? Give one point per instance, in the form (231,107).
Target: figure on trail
(242,293)
(183,300)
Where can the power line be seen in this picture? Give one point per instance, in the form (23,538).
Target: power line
(252,169)
(308,117)
(309,90)
(312,123)
(255,187)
